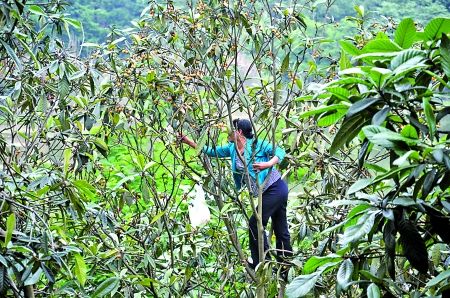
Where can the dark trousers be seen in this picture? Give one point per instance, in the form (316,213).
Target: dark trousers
(274,201)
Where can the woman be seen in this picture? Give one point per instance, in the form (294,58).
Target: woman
(274,191)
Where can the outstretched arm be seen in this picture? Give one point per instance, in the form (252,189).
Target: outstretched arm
(186,140)
(219,151)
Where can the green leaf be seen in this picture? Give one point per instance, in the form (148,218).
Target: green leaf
(409,131)
(361,105)
(349,48)
(362,227)
(344,62)
(33,279)
(201,143)
(106,287)
(322,109)
(406,33)
(431,119)
(84,187)
(37,65)
(404,201)
(67,156)
(373,291)
(436,27)
(339,92)
(157,216)
(74,23)
(381,115)
(330,119)
(12,54)
(345,273)
(354,214)
(445,55)
(63,86)
(315,262)
(302,285)
(381,46)
(80,269)
(10,226)
(348,130)
(37,10)
(385,138)
(285,63)
(409,65)
(358,185)
(406,55)
(442,276)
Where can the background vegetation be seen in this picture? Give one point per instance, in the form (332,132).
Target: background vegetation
(95,187)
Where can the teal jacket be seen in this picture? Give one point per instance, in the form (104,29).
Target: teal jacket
(263,152)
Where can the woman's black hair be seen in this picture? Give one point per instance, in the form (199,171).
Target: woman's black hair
(245,125)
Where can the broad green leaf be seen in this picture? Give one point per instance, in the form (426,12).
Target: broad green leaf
(201,143)
(37,65)
(330,119)
(360,229)
(436,27)
(348,130)
(80,269)
(349,81)
(84,187)
(373,291)
(409,65)
(74,23)
(406,33)
(157,216)
(441,277)
(380,46)
(370,276)
(354,214)
(302,285)
(431,119)
(106,287)
(378,76)
(13,55)
(404,158)
(63,86)
(339,92)
(344,273)
(349,48)
(10,226)
(67,156)
(35,9)
(445,55)
(358,185)
(33,278)
(322,109)
(352,71)
(404,201)
(344,62)
(361,105)
(406,55)
(381,115)
(315,262)
(385,138)
(409,131)
(285,63)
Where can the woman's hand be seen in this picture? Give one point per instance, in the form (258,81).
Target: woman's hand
(186,140)
(259,166)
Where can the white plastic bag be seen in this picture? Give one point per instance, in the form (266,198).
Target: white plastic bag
(198,209)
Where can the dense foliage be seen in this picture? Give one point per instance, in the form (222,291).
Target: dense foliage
(99,17)
(95,186)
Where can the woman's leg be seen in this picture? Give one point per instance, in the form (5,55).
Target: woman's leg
(280,224)
(272,201)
